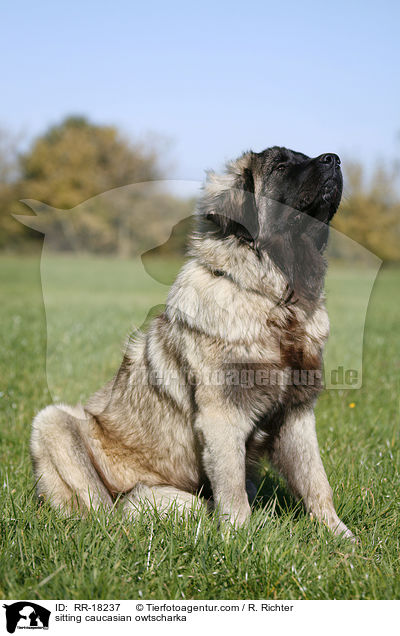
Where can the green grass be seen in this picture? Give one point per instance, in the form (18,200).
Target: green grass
(281,553)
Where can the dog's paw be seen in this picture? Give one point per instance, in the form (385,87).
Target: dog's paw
(237,517)
(341,530)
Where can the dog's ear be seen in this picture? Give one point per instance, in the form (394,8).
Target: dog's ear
(229,201)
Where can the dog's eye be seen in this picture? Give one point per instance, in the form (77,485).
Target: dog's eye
(281,166)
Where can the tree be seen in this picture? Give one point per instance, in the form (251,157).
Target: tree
(76,160)
(370,211)
(9,175)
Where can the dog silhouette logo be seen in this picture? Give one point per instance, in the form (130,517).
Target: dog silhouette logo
(26,615)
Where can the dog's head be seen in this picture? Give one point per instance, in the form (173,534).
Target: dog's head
(280,202)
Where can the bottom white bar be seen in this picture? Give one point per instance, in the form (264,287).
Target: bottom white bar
(151,617)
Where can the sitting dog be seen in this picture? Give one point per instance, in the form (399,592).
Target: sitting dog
(228,372)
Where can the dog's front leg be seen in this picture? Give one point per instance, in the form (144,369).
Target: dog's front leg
(296,454)
(222,430)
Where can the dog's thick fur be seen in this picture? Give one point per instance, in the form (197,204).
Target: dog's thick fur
(229,371)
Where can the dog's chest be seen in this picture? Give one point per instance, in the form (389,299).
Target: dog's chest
(301,340)
(284,374)
(288,368)
(299,350)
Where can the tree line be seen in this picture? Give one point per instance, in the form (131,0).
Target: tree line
(71,164)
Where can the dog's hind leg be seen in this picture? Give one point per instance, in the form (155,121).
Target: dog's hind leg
(62,465)
(164,500)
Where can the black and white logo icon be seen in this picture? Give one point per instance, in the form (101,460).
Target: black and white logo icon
(26,615)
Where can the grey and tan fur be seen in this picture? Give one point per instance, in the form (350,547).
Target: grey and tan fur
(178,413)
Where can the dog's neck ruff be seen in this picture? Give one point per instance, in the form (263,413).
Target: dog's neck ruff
(238,261)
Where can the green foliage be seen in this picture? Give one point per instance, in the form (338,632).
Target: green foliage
(370,211)
(10,230)
(70,164)
(76,160)
(280,554)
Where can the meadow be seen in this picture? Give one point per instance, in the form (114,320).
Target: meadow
(66,347)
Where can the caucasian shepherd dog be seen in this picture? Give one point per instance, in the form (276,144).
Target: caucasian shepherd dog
(228,372)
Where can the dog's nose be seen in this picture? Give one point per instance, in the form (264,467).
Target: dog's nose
(330,159)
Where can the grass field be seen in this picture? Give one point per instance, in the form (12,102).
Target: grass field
(281,553)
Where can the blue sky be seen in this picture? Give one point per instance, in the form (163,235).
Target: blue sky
(215,78)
